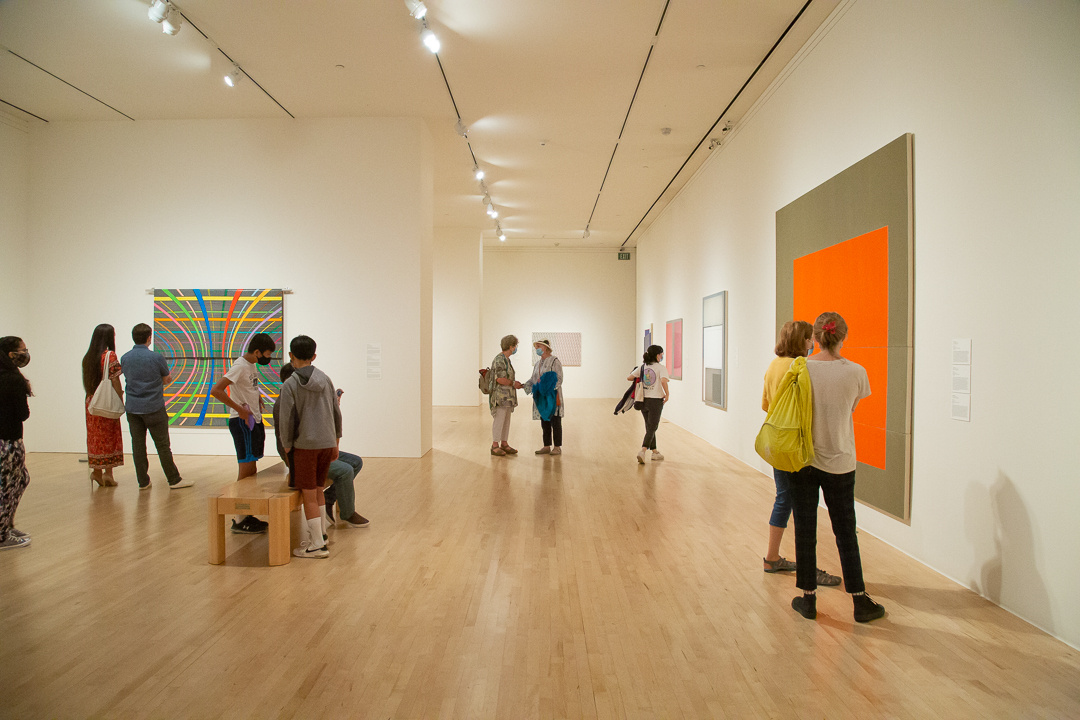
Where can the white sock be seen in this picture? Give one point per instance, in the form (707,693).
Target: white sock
(315,532)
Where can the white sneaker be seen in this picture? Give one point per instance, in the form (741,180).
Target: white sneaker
(182,484)
(641,457)
(14,542)
(656,456)
(306,551)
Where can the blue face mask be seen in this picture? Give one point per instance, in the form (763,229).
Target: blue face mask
(540,352)
(514,351)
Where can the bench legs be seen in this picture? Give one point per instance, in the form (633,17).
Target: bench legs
(217,534)
(280,530)
(280,535)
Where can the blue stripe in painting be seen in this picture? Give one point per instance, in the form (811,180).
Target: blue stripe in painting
(206,401)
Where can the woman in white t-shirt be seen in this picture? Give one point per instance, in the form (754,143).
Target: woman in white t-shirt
(654,383)
(837,386)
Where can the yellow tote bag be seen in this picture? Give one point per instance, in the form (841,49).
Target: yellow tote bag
(786,440)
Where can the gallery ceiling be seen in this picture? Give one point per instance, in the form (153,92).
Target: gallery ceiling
(567,128)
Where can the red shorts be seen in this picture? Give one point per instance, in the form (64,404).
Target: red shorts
(309,467)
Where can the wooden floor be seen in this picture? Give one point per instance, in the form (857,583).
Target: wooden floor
(524,587)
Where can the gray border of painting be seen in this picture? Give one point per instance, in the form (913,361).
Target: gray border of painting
(876,192)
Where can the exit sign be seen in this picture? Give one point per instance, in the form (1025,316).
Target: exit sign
(624,256)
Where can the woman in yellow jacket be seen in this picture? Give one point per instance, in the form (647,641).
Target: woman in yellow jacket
(796,340)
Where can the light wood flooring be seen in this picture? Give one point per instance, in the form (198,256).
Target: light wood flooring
(525,587)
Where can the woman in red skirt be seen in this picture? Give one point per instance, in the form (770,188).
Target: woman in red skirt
(104,443)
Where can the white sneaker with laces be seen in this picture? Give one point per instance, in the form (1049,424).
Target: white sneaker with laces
(656,456)
(306,551)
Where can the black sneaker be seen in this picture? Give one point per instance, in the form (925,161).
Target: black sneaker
(250,525)
(805,605)
(866,609)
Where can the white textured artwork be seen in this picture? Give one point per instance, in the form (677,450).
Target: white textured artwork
(565,345)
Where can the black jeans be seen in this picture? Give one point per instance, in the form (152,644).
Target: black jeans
(839,493)
(554,426)
(158,425)
(651,412)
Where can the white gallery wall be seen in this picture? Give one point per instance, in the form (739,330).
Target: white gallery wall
(992,97)
(457,287)
(338,210)
(586,291)
(14,225)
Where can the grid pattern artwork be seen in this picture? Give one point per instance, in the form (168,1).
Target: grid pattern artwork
(564,345)
(201,333)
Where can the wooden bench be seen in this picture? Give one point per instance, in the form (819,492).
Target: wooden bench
(266,493)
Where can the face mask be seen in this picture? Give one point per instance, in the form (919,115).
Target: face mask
(263,360)
(514,351)
(659,358)
(540,352)
(20,359)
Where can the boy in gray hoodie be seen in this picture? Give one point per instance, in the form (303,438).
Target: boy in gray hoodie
(310,426)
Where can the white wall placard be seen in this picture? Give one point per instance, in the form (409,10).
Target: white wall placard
(961,407)
(961,379)
(374,361)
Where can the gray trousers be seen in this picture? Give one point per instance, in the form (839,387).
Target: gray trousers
(158,424)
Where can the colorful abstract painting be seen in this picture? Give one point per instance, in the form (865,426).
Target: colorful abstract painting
(847,246)
(201,333)
(673,349)
(564,345)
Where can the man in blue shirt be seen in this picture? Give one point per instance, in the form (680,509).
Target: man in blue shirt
(147,374)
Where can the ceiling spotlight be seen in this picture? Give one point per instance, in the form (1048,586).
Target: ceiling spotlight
(461,129)
(416,8)
(502,237)
(586,234)
(478,172)
(233,77)
(171,24)
(159,9)
(491,211)
(430,41)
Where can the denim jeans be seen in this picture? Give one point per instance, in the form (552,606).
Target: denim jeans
(341,474)
(839,493)
(781,509)
(158,424)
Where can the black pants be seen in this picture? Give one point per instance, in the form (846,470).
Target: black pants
(651,413)
(554,426)
(839,493)
(158,425)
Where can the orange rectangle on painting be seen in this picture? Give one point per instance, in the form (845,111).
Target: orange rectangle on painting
(870,445)
(872,410)
(852,278)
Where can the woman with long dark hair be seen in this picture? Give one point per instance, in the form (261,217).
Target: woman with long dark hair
(14,410)
(654,383)
(838,386)
(104,442)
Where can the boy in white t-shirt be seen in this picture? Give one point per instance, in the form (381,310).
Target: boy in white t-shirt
(239,391)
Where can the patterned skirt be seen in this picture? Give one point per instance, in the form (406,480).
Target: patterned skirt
(104,441)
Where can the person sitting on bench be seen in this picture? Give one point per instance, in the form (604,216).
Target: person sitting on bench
(341,474)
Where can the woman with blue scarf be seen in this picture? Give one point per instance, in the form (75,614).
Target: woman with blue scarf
(545,386)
